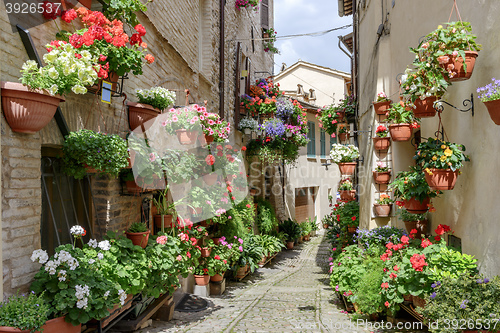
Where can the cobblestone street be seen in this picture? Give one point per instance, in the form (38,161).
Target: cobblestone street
(290,294)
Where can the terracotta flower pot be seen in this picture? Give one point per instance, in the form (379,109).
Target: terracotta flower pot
(456,66)
(381,144)
(8,329)
(351,229)
(300,240)
(139,114)
(217,278)
(325,226)
(262,260)
(381,107)
(216,240)
(138,238)
(59,325)
(343,137)
(307,238)
(210,178)
(418,301)
(167,221)
(243,110)
(408,298)
(424,108)
(347,168)
(400,132)
(420,226)
(382,177)
(202,280)
(289,245)
(205,252)
(240,273)
(416,207)
(113,78)
(382,210)
(186,137)
(441,179)
(349,195)
(27,111)
(494,110)
(265,35)
(205,139)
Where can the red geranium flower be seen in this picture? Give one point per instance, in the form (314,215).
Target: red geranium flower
(69,15)
(140,30)
(210,159)
(217,257)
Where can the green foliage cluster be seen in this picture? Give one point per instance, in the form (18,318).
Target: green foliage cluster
(24,312)
(291,228)
(412,184)
(438,154)
(266,217)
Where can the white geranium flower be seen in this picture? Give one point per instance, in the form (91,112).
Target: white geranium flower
(40,256)
(100,256)
(104,245)
(51,267)
(122,295)
(77,230)
(62,275)
(82,303)
(92,243)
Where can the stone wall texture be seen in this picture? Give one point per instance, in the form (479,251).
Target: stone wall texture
(184,39)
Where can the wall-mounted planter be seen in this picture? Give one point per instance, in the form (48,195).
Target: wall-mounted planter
(343,137)
(420,226)
(400,132)
(416,207)
(381,144)
(425,108)
(458,66)
(347,169)
(382,177)
(186,137)
(139,114)
(494,110)
(348,195)
(382,210)
(27,111)
(381,107)
(441,179)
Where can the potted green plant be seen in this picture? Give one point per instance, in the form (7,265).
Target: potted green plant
(151,102)
(165,210)
(452,49)
(269,41)
(412,188)
(328,118)
(490,96)
(346,190)
(20,313)
(306,230)
(343,133)
(138,233)
(28,107)
(402,122)
(441,162)
(344,156)
(247,125)
(382,104)
(314,225)
(292,229)
(382,174)
(383,205)
(217,265)
(381,142)
(416,222)
(201,277)
(105,153)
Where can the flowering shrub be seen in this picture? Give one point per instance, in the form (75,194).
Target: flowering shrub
(67,70)
(343,153)
(157,97)
(411,184)
(24,312)
(249,103)
(347,214)
(381,167)
(269,42)
(183,118)
(347,105)
(328,118)
(247,4)
(379,236)
(284,108)
(107,153)
(382,131)
(382,97)
(439,154)
(346,185)
(490,92)
(213,125)
(249,123)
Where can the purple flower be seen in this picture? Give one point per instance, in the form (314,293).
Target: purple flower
(274,128)
(433,295)
(486,281)
(463,305)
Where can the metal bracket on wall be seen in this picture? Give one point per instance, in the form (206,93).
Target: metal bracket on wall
(33,55)
(326,164)
(438,105)
(365,131)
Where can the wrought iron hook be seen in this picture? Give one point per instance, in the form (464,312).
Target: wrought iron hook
(438,105)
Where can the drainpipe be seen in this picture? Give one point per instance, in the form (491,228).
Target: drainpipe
(221,58)
(354,73)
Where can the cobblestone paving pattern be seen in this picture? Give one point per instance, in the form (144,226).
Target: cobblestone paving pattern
(291,294)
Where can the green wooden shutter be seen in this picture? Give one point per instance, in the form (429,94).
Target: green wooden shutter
(311,146)
(322,143)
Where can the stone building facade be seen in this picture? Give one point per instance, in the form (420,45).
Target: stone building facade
(184,38)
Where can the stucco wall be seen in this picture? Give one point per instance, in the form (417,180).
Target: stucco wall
(470,208)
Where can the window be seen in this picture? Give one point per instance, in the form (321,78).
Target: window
(322,143)
(264,14)
(311,145)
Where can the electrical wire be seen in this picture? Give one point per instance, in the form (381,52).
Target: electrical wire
(310,34)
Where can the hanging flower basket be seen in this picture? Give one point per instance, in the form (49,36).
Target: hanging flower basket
(27,111)
(425,108)
(139,114)
(348,195)
(400,132)
(186,137)
(382,177)
(347,169)
(382,107)
(456,66)
(441,179)
(381,144)
(382,210)
(416,207)
(494,110)
(343,137)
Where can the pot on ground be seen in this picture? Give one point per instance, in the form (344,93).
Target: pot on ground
(27,111)
(289,245)
(441,179)
(400,132)
(202,280)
